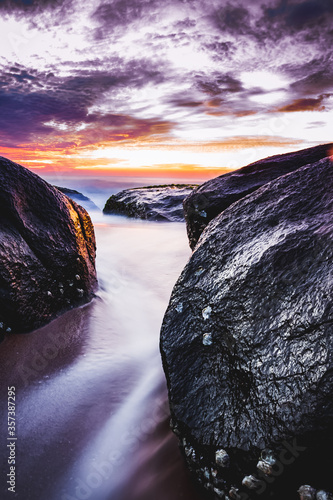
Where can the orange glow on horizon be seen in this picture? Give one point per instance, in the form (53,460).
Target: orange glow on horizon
(193,160)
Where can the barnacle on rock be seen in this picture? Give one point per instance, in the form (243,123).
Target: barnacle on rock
(323,495)
(267,456)
(219,493)
(214,472)
(251,482)
(306,492)
(199,271)
(206,312)
(179,307)
(222,458)
(234,493)
(206,473)
(264,467)
(207,339)
(190,452)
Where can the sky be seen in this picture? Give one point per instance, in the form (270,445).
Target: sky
(177,88)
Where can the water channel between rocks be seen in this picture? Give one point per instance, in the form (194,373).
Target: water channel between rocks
(92,411)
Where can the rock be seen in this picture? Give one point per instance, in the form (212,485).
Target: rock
(306,492)
(214,196)
(159,203)
(79,198)
(260,282)
(47,249)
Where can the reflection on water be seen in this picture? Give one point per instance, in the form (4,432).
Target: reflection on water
(92,412)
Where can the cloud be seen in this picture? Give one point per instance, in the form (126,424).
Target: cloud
(316,124)
(312,83)
(120,14)
(39,14)
(300,15)
(30,6)
(62,121)
(306,104)
(116,71)
(38,103)
(219,50)
(218,83)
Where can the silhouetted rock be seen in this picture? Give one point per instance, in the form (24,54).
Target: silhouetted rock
(247,342)
(47,249)
(159,203)
(214,196)
(79,198)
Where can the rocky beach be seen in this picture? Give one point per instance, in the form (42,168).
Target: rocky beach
(246,340)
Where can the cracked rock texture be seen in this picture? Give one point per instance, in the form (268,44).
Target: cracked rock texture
(215,195)
(159,203)
(247,342)
(47,250)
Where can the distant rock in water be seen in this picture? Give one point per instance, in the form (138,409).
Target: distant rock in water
(47,251)
(159,203)
(82,200)
(215,195)
(247,343)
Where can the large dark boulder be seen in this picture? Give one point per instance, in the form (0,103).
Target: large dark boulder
(214,196)
(247,343)
(47,251)
(159,203)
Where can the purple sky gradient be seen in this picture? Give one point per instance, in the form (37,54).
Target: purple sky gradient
(233,77)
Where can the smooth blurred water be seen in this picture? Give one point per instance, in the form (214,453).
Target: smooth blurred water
(92,411)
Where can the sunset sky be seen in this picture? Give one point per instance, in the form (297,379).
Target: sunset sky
(174,87)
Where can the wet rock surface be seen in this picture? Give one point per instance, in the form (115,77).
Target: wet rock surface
(214,196)
(159,203)
(247,343)
(47,250)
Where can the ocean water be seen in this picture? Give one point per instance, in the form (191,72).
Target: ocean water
(92,414)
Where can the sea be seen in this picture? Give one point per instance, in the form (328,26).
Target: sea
(92,414)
